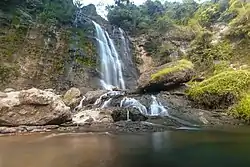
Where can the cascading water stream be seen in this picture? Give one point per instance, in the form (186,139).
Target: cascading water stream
(156,108)
(111,66)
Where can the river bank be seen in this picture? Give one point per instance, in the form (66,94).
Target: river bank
(39,111)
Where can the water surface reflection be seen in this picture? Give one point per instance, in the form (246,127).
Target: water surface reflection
(174,149)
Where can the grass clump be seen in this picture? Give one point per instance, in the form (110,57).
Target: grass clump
(222,89)
(242,109)
(221,67)
(178,66)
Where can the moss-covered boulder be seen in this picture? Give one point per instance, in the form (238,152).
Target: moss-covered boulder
(166,76)
(72,97)
(221,90)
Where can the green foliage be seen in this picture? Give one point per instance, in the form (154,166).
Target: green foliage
(178,66)
(203,53)
(125,16)
(240,25)
(207,14)
(85,50)
(180,13)
(242,109)
(57,11)
(7,73)
(164,23)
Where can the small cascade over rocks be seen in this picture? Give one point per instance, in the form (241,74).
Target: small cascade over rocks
(109,95)
(117,101)
(131,102)
(155,109)
(111,66)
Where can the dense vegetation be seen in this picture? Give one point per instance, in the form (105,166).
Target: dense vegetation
(187,21)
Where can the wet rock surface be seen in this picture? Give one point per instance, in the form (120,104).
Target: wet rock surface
(181,109)
(92,96)
(133,114)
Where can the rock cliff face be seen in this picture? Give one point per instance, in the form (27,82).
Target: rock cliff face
(45,48)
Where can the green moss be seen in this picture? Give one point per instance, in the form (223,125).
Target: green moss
(221,67)
(229,82)
(7,73)
(86,61)
(242,109)
(178,66)
(10,43)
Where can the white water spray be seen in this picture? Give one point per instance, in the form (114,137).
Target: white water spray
(156,108)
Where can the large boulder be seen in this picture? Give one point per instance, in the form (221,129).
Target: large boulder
(33,107)
(92,96)
(166,76)
(72,97)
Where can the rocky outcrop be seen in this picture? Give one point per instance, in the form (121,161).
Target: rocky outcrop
(33,107)
(166,76)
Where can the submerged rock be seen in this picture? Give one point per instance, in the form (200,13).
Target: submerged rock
(33,107)
(166,76)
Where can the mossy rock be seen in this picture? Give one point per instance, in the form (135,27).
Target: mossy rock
(242,109)
(72,97)
(221,90)
(166,76)
(179,66)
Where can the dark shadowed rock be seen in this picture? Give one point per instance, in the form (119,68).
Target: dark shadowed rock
(121,114)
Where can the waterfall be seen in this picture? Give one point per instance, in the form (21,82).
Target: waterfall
(111,66)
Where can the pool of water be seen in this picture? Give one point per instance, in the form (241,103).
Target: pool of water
(169,149)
